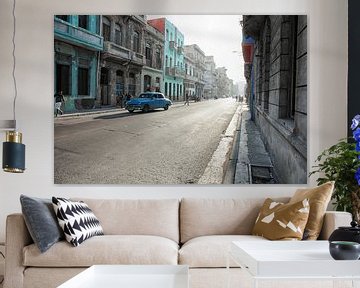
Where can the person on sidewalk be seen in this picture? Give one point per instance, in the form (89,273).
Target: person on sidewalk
(59,99)
(186,99)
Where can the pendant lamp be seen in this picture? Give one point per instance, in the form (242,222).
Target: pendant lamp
(13,149)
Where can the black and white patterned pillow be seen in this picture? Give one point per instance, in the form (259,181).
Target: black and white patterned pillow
(77,220)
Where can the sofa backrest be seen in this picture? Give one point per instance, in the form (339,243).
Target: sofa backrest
(159,217)
(201,217)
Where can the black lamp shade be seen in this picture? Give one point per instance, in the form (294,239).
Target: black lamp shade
(13,154)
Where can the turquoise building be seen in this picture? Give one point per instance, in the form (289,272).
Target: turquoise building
(77,43)
(174,63)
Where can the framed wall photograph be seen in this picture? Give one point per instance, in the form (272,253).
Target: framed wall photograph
(180,99)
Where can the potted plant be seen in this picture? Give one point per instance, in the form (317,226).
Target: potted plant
(341,163)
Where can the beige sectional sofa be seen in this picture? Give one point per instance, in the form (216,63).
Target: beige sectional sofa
(194,232)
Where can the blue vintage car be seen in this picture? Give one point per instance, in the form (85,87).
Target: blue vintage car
(148,101)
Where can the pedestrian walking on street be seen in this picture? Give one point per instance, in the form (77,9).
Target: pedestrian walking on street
(59,99)
(186,99)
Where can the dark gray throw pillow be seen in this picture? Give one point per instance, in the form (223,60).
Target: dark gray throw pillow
(41,221)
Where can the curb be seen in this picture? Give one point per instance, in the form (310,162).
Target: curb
(216,168)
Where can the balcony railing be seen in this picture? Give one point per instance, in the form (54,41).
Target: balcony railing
(123,53)
(175,71)
(191,78)
(77,35)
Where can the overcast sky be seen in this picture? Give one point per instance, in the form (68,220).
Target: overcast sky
(217,35)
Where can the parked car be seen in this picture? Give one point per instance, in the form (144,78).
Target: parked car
(148,101)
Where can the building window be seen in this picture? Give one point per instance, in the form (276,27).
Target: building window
(166,61)
(119,89)
(147,83)
(65,18)
(63,78)
(167,34)
(106,29)
(132,84)
(136,41)
(170,86)
(158,58)
(170,62)
(148,55)
(157,84)
(83,21)
(292,92)
(166,89)
(267,66)
(118,35)
(83,81)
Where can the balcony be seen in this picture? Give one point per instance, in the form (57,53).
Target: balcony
(175,71)
(180,50)
(191,78)
(78,36)
(172,45)
(120,53)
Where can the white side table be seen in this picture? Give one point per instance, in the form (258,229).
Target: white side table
(293,263)
(131,276)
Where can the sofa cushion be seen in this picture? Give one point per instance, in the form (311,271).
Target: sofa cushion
(41,221)
(158,217)
(201,217)
(279,221)
(319,198)
(211,251)
(77,220)
(107,249)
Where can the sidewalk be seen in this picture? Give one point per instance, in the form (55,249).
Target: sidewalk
(253,165)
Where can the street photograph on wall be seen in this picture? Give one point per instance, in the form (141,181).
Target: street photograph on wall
(180,99)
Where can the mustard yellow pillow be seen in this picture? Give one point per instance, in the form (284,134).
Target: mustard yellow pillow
(279,221)
(319,198)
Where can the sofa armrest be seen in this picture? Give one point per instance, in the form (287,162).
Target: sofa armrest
(333,220)
(17,237)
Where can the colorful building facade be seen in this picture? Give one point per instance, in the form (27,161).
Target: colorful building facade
(123,58)
(174,66)
(77,42)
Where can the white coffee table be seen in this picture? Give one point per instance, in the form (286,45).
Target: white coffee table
(131,276)
(293,260)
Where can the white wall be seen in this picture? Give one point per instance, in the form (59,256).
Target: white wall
(327,100)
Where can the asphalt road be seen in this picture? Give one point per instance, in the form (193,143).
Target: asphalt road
(159,147)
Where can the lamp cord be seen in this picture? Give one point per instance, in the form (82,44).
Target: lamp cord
(14,60)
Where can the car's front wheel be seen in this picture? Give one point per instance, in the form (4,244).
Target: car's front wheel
(166,107)
(146,108)
(131,110)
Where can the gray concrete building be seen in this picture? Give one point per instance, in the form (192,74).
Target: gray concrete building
(222,82)
(123,57)
(277,82)
(190,79)
(152,78)
(210,88)
(194,53)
